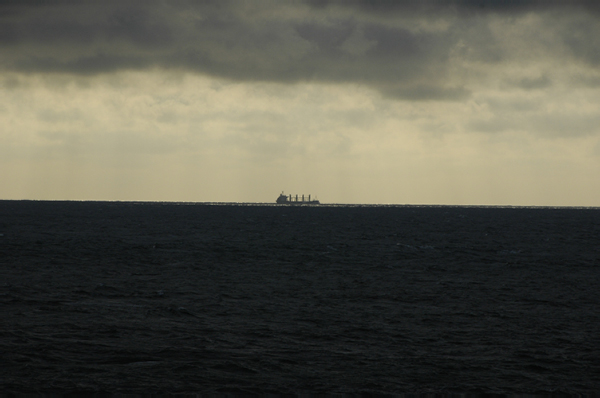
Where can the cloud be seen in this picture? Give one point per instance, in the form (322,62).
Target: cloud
(532,83)
(407,50)
(533,113)
(427,93)
(241,41)
(582,37)
(464,6)
(587,81)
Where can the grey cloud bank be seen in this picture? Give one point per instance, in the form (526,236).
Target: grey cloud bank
(406,50)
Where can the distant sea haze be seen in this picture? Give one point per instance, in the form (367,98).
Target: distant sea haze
(239,299)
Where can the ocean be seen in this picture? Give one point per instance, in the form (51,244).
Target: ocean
(251,299)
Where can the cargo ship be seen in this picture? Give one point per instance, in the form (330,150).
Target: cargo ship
(297,200)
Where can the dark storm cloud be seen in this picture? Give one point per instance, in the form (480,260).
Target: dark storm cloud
(326,37)
(85,23)
(583,39)
(331,42)
(587,81)
(506,6)
(533,83)
(427,92)
(98,63)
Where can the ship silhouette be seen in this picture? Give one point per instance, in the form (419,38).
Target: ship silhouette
(289,200)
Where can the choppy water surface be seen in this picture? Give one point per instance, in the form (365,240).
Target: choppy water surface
(164,298)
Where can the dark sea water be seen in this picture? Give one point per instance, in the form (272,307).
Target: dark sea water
(166,298)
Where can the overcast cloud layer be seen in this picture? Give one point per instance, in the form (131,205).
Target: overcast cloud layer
(458,102)
(405,49)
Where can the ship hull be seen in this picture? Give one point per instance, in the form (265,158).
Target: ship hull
(312,202)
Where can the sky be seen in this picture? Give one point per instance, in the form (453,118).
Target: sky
(457,102)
